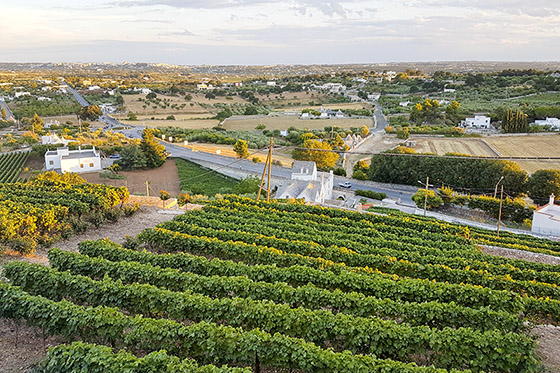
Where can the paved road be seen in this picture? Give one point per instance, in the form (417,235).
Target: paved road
(9,114)
(110,122)
(81,100)
(281,172)
(380,119)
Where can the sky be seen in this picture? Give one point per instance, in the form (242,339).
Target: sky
(261,32)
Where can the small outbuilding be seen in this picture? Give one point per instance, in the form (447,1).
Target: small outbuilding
(546,219)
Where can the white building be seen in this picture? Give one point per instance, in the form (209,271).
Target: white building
(479,122)
(271,83)
(546,219)
(54,139)
(553,122)
(307,183)
(65,160)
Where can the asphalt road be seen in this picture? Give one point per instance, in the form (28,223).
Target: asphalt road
(282,172)
(81,100)
(9,114)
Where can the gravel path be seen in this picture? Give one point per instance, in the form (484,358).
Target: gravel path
(520,254)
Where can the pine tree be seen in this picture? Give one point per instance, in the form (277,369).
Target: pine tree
(153,151)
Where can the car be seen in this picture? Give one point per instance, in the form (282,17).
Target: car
(345,185)
(115,156)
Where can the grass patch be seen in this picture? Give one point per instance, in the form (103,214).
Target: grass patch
(196,179)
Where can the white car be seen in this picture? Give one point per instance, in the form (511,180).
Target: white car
(345,185)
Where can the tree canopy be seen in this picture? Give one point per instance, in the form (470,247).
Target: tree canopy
(153,151)
(317,151)
(542,184)
(241,148)
(91,112)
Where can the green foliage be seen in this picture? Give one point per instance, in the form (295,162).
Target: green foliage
(93,358)
(514,122)
(542,184)
(248,185)
(460,173)
(91,112)
(241,148)
(183,199)
(37,124)
(164,195)
(11,165)
(432,200)
(154,152)
(132,116)
(371,194)
(200,180)
(319,152)
(339,171)
(132,158)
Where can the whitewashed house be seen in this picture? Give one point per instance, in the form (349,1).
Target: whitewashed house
(307,183)
(546,219)
(553,122)
(478,122)
(54,139)
(81,160)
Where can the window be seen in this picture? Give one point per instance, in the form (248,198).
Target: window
(51,163)
(91,164)
(81,165)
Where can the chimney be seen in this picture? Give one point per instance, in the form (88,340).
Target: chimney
(551,200)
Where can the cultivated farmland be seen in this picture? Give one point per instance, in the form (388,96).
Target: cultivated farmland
(507,146)
(277,287)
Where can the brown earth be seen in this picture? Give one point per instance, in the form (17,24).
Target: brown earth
(165,177)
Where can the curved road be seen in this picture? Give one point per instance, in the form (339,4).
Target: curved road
(4,106)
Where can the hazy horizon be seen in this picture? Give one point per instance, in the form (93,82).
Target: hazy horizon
(255,32)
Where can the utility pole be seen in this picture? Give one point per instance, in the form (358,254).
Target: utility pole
(269,165)
(500,213)
(266,166)
(147,188)
(496,189)
(426,194)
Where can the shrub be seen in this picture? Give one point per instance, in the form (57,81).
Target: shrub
(371,194)
(359,175)
(23,245)
(433,200)
(256,159)
(183,199)
(130,208)
(340,171)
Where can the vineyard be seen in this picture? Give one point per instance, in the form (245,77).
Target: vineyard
(243,286)
(11,165)
(42,210)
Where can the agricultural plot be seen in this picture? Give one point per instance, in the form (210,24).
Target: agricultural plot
(507,146)
(11,165)
(294,287)
(287,121)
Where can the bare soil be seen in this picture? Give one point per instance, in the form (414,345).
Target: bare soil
(520,254)
(165,177)
(548,346)
(22,347)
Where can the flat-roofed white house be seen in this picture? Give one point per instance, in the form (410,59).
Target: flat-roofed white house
(479,122)
(553,122)
(54,139)
(81,160)
(307,183)
(546,219)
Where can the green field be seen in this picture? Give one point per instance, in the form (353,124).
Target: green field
(196,179)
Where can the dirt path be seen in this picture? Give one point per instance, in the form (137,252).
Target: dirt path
(520,254)
(548,346)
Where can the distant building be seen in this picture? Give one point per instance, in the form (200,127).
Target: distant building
(271,83)
(51,123)
(307,183)
(553,122)
(81,160)
(450,90)
(405,103)
(54,139)
(478,122)
(546,219)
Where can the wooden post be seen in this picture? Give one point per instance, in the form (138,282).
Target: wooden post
(147,188)
(269,165)
(266,164)
(500,213)
(426,194)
